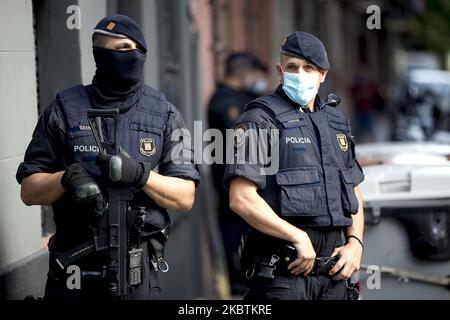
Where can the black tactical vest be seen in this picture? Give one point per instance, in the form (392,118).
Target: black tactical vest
(141,136)
(313,187)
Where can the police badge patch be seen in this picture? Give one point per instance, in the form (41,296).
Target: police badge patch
(233,113)
(239,135)
(147,147)
(342,140)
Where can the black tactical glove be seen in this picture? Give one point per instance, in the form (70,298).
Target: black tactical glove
(84,189)
(123,171)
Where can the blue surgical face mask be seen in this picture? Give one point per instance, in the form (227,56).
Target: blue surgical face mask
(300,88)
(259,87)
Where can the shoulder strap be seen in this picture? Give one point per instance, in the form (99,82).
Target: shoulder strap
(335,111)
(332,106)
(153,102)
(74,103)
(272,103)
(279,109)
(151,92)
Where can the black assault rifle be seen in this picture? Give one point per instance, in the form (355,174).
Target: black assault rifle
(124,268)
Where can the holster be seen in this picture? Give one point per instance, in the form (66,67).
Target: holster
(267,258)
(261,256)
(352,291)
(250,255)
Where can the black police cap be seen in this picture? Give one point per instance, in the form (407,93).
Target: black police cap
(304,45)
(245,59)
(120,26)
(259,65)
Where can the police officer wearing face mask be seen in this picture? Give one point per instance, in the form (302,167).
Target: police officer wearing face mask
(307,219)
(63,158)
(260,82)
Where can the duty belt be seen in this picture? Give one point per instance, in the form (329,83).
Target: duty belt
(153,246)
(275,264)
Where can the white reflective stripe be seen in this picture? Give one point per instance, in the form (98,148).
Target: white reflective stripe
(59,263)
(106,33)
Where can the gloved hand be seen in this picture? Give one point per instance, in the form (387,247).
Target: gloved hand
(123,171)
(83,187)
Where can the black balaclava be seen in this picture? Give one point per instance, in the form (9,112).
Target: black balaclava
(118,79)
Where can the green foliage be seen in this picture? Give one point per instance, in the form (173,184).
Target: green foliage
(432,29)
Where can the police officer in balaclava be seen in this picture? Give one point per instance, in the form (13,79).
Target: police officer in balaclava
(62,167)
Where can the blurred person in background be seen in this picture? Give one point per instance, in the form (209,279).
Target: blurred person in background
(259,83)
(243,82)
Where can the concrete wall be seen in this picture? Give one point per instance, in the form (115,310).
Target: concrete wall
(91,13)
(283,22)
(20,227)
(203,23)
(149,24)
(58,50)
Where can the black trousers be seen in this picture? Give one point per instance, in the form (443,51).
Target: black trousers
(232,227)
(96,289)
(286,286)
